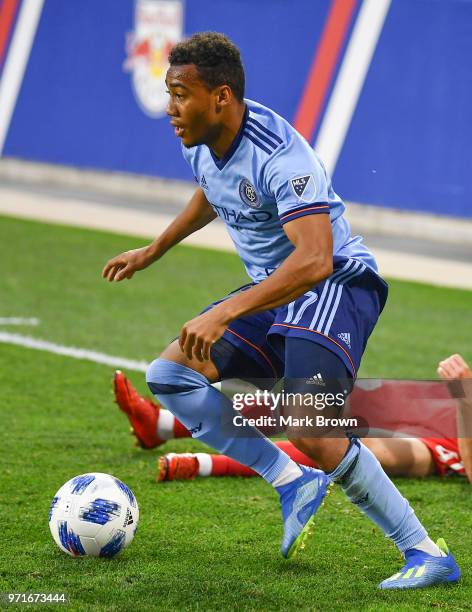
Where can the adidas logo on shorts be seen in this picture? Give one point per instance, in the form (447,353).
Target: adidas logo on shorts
(316,379)
(346,338)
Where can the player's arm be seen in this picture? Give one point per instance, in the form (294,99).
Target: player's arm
(456,368)
(196,215)
(309,263)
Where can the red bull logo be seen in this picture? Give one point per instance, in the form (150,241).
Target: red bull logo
(158,27)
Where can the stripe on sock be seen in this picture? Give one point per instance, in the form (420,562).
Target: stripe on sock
(204,464)
(165,425)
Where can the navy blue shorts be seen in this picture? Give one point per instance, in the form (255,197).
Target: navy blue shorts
(339,313)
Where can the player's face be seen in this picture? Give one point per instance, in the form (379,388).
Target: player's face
(192,107)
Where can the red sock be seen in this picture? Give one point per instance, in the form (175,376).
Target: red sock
(180,431)
(225,466)
(295,454)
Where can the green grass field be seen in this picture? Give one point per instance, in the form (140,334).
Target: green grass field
(211,544)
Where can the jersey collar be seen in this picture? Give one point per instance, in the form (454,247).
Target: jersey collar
(221,163)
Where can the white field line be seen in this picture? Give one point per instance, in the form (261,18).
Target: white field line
(78,353)
(17,61)
(19,321)
(350,81)
(72,351)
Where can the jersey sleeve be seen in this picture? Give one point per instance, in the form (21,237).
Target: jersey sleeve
(297,180)
(189,157)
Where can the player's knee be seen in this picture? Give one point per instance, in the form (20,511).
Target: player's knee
(166,377)
(154,372)
(207,368)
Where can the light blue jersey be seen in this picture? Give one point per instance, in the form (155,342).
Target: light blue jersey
(270,176)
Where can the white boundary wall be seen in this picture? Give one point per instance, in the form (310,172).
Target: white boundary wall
(84,209)
(364,218)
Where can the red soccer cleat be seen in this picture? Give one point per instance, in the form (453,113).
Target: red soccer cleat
(142,413)
(182,466)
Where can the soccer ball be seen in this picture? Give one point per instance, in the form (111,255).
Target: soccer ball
(93,514)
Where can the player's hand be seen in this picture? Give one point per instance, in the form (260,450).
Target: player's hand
(454,367)
(198,335)
(125,265)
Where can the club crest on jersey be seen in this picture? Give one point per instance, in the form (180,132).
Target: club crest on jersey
(248,194)
(300,185)
(158,27)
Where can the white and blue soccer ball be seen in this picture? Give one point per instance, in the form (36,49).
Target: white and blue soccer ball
(93,514)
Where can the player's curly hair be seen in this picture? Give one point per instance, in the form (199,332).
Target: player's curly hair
(217,59)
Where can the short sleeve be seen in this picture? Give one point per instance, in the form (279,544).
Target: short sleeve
(297,180)
(189,157)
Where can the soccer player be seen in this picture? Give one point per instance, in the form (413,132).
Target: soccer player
(314,299)
(438,428)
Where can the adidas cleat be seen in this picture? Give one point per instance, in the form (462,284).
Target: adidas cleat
(143,414)
(172,466)
(423,570)
(300,500)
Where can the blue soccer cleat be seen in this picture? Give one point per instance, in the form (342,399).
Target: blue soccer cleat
(423,570)
(300,500)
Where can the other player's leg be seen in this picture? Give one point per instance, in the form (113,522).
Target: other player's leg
(186,466)
(150,424)
(402,456)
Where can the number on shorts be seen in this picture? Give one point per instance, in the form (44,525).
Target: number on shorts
(293,318)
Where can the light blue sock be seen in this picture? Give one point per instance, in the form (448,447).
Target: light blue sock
(366,484)
(208,415)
